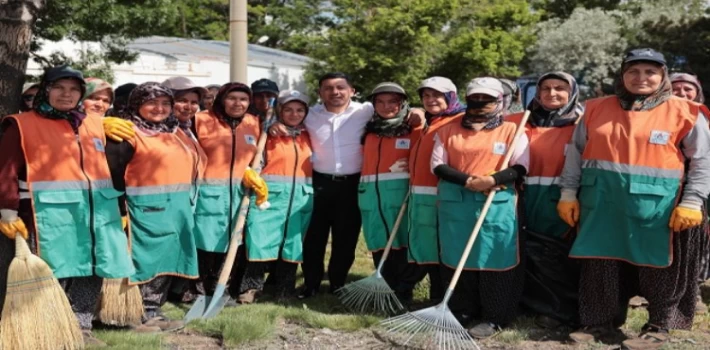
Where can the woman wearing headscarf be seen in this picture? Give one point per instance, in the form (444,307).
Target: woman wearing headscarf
(442,106)
(466,158)
(551,277)
(29,90)
(639,210)
(274,239)
(98,97)
(155,169)
(63,200)
(384,182)
(687,86)
(228,135)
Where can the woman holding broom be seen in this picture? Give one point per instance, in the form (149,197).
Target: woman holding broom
(384,182)
(64,197)
(640,213)
(465,155)
(552,278)
(442,107)
(228,135)
(275,236)
(156,169)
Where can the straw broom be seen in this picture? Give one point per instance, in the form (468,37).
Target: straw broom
(36,314)
(120,304)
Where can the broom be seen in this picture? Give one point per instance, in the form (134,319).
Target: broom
(436,327)
(373,293)
(120,304)
(36,314)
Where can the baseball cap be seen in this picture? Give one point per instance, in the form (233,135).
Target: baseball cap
(439,84)
(649,55)
(28,86)
(388,87)
(264,85)
(287,96)
(486,86)
(178,84)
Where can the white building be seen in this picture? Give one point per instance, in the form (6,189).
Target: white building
(202,61)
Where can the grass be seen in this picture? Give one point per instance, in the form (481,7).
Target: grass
(258,325)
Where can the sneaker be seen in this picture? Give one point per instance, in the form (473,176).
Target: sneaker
(484,330)
(164,324)
(248,297)
(651,338)
(90,340)
(588,335)
(145,329)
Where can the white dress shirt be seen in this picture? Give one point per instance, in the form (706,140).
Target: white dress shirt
(336,138)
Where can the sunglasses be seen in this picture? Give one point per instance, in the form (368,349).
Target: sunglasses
(28,98)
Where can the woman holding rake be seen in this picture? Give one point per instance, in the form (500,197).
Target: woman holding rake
(465,155)
(384,183)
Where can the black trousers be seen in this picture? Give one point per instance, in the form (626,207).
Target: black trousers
(335,209)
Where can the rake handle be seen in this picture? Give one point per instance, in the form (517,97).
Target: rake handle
(393,234)
(235,241)
(486,206)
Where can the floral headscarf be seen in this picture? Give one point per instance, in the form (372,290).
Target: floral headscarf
(632,102)
(142,94)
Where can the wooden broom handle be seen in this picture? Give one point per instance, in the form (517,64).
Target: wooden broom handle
(469,245)
(393,234)
(234,243)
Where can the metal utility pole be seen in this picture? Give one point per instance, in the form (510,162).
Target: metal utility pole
(238,41)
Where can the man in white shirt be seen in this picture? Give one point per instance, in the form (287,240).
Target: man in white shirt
(335,128)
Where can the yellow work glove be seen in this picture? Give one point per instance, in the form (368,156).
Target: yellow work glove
(10,224)
(124,222)
(118,129)
(684,218)
(258,185)
(568,207)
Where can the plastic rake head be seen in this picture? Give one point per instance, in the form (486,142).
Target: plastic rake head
(430,328)
(370,295)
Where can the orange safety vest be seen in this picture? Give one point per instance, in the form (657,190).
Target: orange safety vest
(476,152)
(199,158)
(78,224)
(421,176)
(287,157)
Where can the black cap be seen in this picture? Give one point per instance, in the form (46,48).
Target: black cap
(63,72)
(125,89)
(648,55)
(264,85)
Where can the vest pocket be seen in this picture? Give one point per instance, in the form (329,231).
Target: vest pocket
(646,201)
(588,195)
(61,208)
(152,215)
(106,204)
(209,201)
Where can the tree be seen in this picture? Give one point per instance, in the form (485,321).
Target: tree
(375,41)
(486,38)
(564,8)
(592,53)
(16,21)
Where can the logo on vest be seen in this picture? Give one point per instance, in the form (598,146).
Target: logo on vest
(499,148)
(659,137)
(401,144)
(250,139)
(99,145)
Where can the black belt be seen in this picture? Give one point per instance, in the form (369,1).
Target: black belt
(336,178)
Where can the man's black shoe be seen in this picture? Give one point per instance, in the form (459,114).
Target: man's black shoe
(306,293)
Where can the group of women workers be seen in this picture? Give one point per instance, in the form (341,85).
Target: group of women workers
(169,176)
(610,196)
(619,184)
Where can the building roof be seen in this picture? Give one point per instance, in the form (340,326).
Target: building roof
(195,50)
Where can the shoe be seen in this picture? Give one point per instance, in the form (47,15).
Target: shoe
(164,324)
(547,322)
(307,293)
(651,338)
(334,289)
(484,330)
(90,340)
(248,297)
(638,301)
(589,334)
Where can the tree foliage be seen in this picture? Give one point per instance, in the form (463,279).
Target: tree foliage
(564,8)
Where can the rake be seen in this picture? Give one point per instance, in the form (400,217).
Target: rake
(373,294)
(436,327)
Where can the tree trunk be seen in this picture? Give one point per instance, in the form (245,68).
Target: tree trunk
(17,18)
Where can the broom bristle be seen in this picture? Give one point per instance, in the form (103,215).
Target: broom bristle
(36,314)
(430,328)
(120,303)
(371,294)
